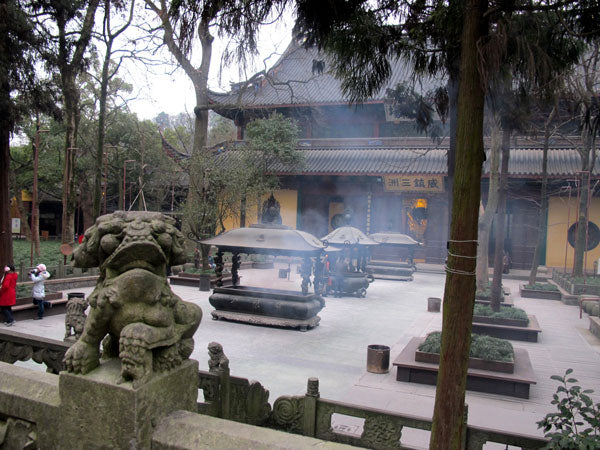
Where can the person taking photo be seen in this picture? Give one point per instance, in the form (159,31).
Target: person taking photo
(39,275)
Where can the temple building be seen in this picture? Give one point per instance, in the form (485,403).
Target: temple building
(392,178)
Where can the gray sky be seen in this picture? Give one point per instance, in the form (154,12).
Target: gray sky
(173,93)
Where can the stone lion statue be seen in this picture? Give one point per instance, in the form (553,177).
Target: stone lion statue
(133,311)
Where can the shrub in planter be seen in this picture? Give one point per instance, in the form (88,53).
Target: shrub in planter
(483,347)
(504,313)
(541,287)
(576,425)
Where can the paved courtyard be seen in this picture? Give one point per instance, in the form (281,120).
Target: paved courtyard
(392,313)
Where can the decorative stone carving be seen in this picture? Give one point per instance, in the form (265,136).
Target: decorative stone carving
(75,317)
(288,413)
(218,362)
(381,433)
(10,352)
(17,433)
(146,325)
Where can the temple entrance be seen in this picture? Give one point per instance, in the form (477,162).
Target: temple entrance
(415,216)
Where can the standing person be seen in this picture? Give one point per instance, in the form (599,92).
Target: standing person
(8,294)
(38,276)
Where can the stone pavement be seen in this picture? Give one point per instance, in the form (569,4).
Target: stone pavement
(392,313)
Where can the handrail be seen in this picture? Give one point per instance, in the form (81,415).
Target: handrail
(245,401)
(15,346)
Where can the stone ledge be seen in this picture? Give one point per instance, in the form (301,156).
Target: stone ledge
(595,326)
(186,430)
(29,395)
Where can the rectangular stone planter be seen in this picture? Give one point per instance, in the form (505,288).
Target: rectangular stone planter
(595,326)
(528,333)
(474,363)
(514,384)
(539,293)
(500,321)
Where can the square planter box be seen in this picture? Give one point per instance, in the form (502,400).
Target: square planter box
(474,363)
(514,384)
(539,293)
(517,333)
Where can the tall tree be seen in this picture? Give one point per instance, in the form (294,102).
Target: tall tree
(18,44)
(108,37)
(486,215)
(70,34)
(542,221)
(584,91)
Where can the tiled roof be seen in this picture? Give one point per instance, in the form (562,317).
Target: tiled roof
(370,161)
(292,81)
(389,159)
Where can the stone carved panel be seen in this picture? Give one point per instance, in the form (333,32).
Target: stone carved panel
(17,433)
(288,413)
(381,433)
(10,352)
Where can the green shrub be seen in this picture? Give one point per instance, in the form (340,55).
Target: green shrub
(591,280)
(576,425)
(506,312)
(49,253)
(23,291)
(483,347)
(198,270)
(541,287)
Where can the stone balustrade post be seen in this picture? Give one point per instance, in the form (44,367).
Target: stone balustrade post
(310,407)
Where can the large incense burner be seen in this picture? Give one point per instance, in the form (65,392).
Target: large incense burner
(394,258)
(266,306)
(348,267)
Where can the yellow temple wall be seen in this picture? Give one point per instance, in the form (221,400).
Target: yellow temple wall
(561,210)
(288,201)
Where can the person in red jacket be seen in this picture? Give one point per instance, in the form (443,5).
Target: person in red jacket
(8,294)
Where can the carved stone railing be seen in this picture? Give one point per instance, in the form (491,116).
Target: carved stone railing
(16,346)
(311,416)
(240,400)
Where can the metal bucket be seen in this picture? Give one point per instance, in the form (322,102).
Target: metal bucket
(378,358)
(433,304)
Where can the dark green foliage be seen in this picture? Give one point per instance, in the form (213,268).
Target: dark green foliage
(483,347)
(541,287)
(506,312)
(23,290)
(274,138)
(576,425)
(594,281)
(49,253)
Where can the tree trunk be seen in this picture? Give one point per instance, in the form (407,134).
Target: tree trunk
(69,61)
(586,167)
(97,197)
(6,251)
(542,219)
(453,112)
(496,291)
(485,219)
(448,425)
(71,108)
